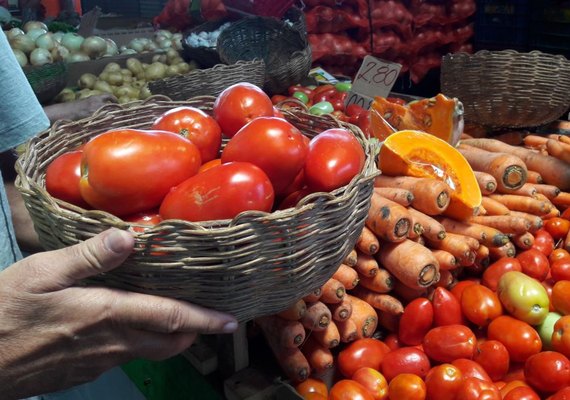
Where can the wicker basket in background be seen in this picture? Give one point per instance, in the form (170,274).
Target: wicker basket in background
(285,50)
(206,57)
(47,80)
(211,81)
(256,264)
(508,89)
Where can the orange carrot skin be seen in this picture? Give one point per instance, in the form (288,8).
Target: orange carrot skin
(318,316)
(484,234)
(347,330)
(534,177)
(482,258)
(507,224)
(523,241)
(333,291)
(347,276)
(558,149)
(341,311)
(494,207)
(366,265)
(433,230)
(367,242)
(387,219)
(381,302)
(295,311)
(293,362)
(522,203)
(507,250)
(350,259)
(446,279)
(328,338)
(382,282)
(446,260)
(456,245)
(550,191)
(364,317)
(562,200)
(487,182)
(314,296)
(535,221)
(401,196)
(319,357)
(288,334)
(528,189)
(406,294)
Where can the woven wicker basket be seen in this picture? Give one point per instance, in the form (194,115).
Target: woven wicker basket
(211,81)
(256,264)
(284,49)
(47,80)
(207,57)
(506,88)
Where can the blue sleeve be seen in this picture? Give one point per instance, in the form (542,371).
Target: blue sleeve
(21,115)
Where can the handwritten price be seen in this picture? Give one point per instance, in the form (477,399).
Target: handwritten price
(378,73)
(360,100)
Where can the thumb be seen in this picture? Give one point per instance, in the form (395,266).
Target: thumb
(59,269)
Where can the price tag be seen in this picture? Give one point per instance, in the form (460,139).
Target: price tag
(358,99)
(322,76)
(375,77)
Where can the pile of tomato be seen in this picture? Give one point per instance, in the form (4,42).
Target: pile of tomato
(177,168)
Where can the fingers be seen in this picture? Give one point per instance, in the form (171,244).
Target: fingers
(160,346)
(163,315)
(59,269)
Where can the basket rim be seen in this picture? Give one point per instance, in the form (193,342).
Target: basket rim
(73,212)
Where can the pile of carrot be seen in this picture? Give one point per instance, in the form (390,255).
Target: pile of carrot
(408,247)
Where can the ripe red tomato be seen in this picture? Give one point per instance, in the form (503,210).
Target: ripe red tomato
(446,308)
(274,145)
(561,297)
(459,287)
(195,125)
(443,382)
(558,254)
(146,218)
(520,339)
(509,386)
(480,305)
(494,272)
(543,242)
(407,386)
(562,394)
(335,156)
(392,341)
(547,371)
(416,320)
(449,342)
(366,352)
(62,178)
(561,335)
(557,227)
(219,193)
(210,164)
(126,171)
(312,385)
(471,369)
(405,360)
(493,356)
(239,104)
(372,380)
(534,263)
(560,269)
(347,389)
(477,389)
(521,393)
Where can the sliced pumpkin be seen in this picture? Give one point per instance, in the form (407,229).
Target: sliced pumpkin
(440,115)
(420,154)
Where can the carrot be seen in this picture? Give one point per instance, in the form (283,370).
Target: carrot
(550,191)
(366,265)
(289,334)
(522,203)
(493,207)
(401,196)
(419,240)
(416,231)
(347,276)
(341,311)
(317,316)
(380,301)
(319,357)
(528,189)
(535,141)
(567,242)
(406,293)
(523,241)
(432,229)
(382,282)
(534,177)
(295,311)
(507,224)
(558,149)
(562,200)
(328,338)
(512,137)
(458,245)
(509,171)
(482,257)
(535,221)
(367,242)
(364,317)
(315,295)
(445,259)
(465,136)
(333,291)
(387,219)
(564,139)
(410,262)
(350,258)
(347,330)
(507,250)
(431,196)
(483,233)
(446,279)
(554,212)
(487,182)
(292,361)
(553,171)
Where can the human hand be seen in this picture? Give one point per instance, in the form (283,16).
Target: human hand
(87,106)
(55,335)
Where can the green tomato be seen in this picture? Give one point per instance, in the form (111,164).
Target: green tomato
(301,96)
(343,86)
(523,297)
(546,328)
(321,108)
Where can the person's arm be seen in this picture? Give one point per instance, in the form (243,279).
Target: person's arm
(26,236)
(77,109)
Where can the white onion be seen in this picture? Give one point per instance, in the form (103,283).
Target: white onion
(57,36)
(164,43)
(112,48)
(77,56)
(21,57)
(45,41)
(59,53)
(24,43)
(129,51)
(12,33)
(94,46)
(137,45)
(40,57)
(163,33)
(28,26)
(35,33)
(72,41)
